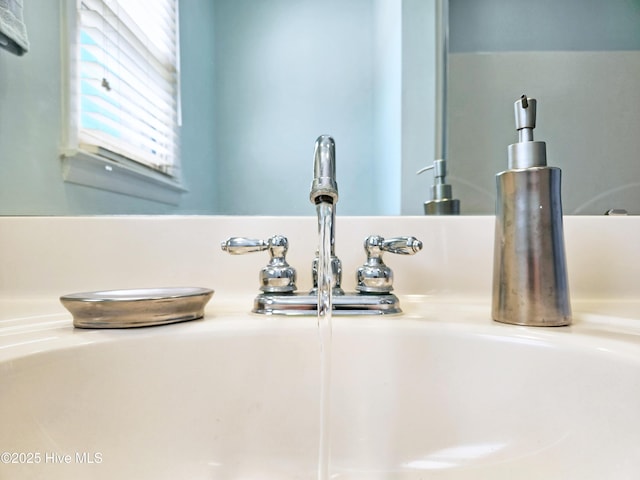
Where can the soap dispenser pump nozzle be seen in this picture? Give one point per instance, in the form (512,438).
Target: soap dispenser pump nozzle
(526,153)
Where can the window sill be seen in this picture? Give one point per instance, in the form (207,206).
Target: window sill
(90,170)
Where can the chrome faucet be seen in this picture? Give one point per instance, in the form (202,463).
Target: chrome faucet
(374,278)
(324,188)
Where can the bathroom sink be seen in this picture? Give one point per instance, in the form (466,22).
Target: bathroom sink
(440,393)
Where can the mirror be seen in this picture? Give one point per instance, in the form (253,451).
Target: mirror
(262,79)
(581,61)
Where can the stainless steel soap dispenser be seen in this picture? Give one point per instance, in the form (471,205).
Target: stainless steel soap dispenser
(529,266)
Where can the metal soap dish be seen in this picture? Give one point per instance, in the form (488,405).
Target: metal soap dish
(136,307)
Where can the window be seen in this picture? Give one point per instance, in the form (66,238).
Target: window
(123,97)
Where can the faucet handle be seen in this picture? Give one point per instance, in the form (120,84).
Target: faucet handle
(242,245)
(374,276)
(278,276)
(398,245)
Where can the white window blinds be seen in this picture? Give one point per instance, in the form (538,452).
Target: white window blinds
(127,77)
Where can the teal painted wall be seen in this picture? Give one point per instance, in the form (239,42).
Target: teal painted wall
(260,81)
(288,71)
(31,123)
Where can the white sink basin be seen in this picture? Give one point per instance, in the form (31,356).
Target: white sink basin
(441,392)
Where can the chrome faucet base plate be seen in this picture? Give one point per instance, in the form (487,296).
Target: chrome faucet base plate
(347,304)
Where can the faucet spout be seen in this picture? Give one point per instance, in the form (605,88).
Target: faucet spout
(324,194)
(324,187)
